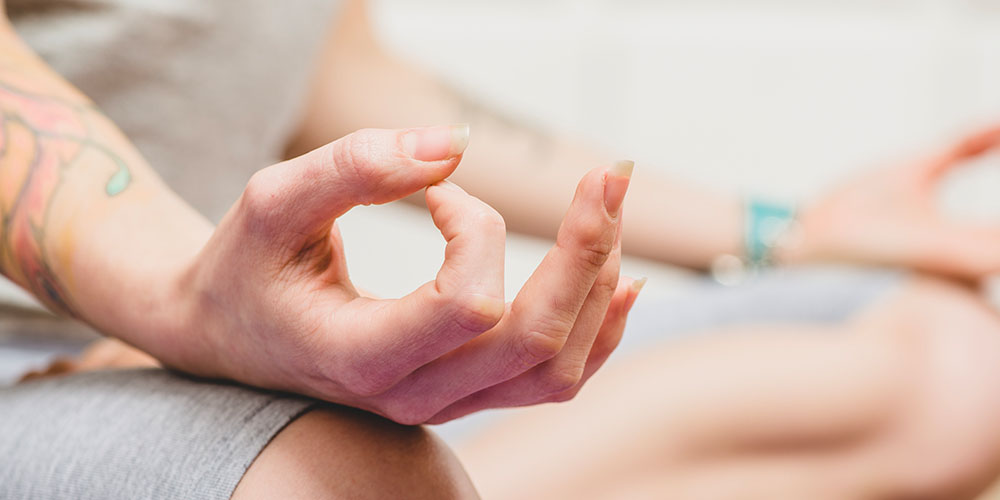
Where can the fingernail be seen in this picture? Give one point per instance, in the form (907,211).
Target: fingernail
(450,186)
(436,143)
(634,290)
(622,168)
(616,184)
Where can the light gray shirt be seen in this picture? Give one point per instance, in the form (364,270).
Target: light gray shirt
(208,90)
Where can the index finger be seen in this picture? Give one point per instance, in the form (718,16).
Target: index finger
(544,312)
(389,339)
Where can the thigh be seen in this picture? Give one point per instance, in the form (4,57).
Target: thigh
(808,296)
(890,404)
(153,434)
(133,434)
(335,452)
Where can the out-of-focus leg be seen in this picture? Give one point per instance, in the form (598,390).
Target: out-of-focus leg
(900,403)
(343,453)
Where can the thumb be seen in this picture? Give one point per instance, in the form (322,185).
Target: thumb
(302,196)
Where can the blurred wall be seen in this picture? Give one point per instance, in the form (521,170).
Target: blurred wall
(775,96)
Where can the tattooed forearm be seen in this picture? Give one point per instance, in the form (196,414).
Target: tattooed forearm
(43,138)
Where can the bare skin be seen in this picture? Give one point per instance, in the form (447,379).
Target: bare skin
(886,215)
(899,403)
(341,453)
(265,297)
(51,253)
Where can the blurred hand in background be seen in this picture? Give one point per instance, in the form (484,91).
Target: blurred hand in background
(892,217)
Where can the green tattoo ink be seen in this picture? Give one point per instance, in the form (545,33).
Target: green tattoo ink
(119,181)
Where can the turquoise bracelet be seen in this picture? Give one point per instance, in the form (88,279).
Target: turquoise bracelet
(766,223)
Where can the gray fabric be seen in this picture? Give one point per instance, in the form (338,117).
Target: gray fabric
(208,90)
(813,295)
(133,435)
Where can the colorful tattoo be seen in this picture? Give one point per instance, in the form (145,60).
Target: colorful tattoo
(43,137)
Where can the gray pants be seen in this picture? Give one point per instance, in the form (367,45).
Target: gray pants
(133,434)
(809,295)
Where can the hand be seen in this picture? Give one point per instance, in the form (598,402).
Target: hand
(890,217)
(268,300)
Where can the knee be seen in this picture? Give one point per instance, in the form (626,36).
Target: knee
(344,453)
(945,442)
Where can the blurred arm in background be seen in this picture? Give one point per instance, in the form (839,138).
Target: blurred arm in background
(885,217)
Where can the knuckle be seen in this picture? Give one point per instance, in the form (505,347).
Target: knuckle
(487,218)
(355,158)
(261,198)
(564,396)
(592,243)
(593,256)
(476,312)
(406,411)
(597,251)
(560,377)
(606,283)
(367,379)
(534,347)
(594,232)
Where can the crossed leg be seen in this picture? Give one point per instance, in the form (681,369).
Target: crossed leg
(344,453)
(901,402)
(148,433)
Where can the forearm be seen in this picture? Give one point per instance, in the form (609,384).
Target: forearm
(522,170)
(87,226)
(525,173)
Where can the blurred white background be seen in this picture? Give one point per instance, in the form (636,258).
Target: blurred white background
(772,97)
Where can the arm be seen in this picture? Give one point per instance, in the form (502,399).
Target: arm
(77,201)
(361,85)
(885,216)
(264,298)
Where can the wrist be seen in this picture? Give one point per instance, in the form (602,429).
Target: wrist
(128,267)
(770,237)
(799,244)
(181,324)
(769,229)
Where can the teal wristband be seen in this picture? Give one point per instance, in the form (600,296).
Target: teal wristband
(766,223)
